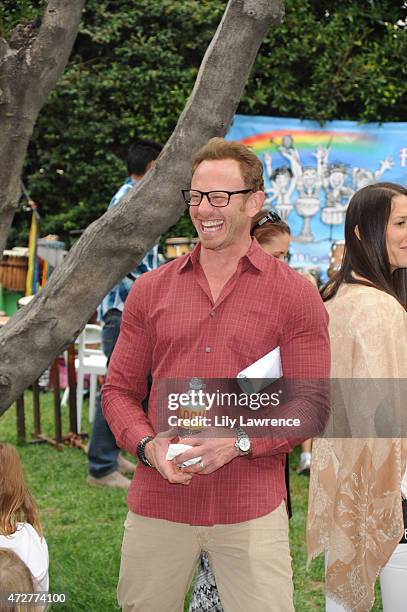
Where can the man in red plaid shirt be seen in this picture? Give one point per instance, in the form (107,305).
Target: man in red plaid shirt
(210,314)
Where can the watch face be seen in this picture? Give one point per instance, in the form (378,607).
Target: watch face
(244,445)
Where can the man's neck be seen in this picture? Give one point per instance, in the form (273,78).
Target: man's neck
(223,259)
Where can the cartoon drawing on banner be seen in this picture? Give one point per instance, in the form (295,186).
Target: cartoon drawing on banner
(311,172)
(362,176)
(282,185)
(309,181)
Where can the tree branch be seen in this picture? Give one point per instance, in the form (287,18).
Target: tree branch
(28,72)
(53,43)
(113,244)
(4,48)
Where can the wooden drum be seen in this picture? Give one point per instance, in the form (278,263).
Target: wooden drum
(13,271)
(175,247)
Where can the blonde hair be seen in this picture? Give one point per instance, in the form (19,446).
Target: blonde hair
(219,149)
(15,577)
(16,501)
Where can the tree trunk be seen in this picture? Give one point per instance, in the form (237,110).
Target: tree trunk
(115,243)
(29,68)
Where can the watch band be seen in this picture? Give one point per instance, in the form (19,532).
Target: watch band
(242,435)
(140,451)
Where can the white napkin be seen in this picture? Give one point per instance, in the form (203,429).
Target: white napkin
(261,373)
(177,449)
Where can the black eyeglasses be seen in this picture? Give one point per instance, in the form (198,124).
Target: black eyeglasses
(271,216)
(193,197)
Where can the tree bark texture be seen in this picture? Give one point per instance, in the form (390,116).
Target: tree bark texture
(116,242)
(30,65)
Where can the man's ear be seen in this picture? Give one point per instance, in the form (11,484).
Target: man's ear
(357,232)
(255,203)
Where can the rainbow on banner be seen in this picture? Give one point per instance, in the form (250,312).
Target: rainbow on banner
(355,142)
(31,286)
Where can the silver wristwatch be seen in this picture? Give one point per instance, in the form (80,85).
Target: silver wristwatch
(242,443)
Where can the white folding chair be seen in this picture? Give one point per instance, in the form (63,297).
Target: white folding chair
(92,361)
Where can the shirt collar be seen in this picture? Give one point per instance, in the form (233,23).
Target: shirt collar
(255,258)
(191,259)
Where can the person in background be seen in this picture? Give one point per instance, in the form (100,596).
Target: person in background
(271,233)
(20,527)
(274,235)
(358,485)
(105,463)
(15,578)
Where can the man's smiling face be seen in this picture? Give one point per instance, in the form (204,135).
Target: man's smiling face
(219,228)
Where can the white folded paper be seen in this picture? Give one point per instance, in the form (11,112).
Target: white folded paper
(177,449)
(261,373)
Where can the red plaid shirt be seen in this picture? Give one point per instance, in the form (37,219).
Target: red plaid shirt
(172,328)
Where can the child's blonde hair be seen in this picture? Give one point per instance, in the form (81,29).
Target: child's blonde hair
(16,501)
(15,577)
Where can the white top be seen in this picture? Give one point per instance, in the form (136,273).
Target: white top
(33,550)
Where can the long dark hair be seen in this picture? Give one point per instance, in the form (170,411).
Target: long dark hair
(369,209)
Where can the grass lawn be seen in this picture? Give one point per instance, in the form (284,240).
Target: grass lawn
(83,525)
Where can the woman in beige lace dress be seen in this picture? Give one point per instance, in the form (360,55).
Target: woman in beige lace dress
(357,485)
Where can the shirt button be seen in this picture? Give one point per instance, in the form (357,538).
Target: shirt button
(212,313)
(207,349)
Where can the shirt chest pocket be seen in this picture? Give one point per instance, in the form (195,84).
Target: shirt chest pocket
(251,338)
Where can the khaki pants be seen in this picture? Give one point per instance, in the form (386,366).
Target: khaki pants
(251,562)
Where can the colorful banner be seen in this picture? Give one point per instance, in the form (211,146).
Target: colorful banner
(32,274)
(311,172)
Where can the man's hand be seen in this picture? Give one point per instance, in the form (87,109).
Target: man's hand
(213,449)
(156,451)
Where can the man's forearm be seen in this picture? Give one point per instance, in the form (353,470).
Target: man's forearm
(126,418)
(307,413)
